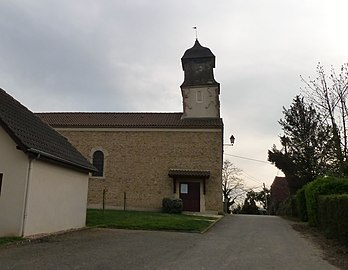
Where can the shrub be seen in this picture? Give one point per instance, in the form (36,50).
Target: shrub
(237,209)
(172,206)
(287,208)
(301,204)
(322,186)
(250,208)
(333,215)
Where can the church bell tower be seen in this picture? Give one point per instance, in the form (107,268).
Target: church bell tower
(200,91)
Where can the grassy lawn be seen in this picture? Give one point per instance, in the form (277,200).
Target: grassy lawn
(147,220)
(5,240)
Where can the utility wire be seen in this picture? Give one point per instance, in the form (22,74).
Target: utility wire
(252,178)
(251,159)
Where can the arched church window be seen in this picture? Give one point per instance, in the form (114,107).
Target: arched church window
(98,162)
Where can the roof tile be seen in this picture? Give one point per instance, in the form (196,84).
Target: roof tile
(33,135)
(188,173)
(126,120)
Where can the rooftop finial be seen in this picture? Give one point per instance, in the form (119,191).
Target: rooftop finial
(195,28)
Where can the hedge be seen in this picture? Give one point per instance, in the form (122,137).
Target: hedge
(333,215)
(301,204)
(322,186)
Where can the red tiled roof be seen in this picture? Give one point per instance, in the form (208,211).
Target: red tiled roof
(34,136)
(126,120)
(188,173)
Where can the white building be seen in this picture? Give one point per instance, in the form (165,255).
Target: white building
(43,178)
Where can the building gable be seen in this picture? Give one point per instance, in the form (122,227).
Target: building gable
(33,136)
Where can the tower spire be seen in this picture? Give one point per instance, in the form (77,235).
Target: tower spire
(195,28)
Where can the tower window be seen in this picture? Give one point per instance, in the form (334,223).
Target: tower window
(98,162)
(199,96)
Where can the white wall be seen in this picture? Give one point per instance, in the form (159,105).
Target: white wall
(57,199)
(14,166)
(201,101)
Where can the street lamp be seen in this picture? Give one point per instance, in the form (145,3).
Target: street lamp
(232,139)
(226,196)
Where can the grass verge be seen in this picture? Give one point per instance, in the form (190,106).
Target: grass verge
(6,240)
(137,220)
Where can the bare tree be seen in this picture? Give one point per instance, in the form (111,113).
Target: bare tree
(232,185)
(329,95)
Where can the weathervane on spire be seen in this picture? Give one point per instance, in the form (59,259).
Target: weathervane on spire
(195,28)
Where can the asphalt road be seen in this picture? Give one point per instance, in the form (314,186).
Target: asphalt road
(236,242)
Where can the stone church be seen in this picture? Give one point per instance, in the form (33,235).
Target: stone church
(144,157)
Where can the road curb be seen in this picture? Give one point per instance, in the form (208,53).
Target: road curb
(212,224)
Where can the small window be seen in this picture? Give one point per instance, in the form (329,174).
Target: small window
(0,182)
(199,96)
(98,162)
(183,188)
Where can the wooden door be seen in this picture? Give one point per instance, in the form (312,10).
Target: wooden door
(190,195)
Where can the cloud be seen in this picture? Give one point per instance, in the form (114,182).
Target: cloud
(125,56)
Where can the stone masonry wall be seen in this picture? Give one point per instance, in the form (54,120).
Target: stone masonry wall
(137,162)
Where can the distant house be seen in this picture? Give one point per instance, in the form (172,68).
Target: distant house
(279,192)
(43,178)
(145,157)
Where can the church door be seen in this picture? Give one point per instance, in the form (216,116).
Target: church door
(190,195)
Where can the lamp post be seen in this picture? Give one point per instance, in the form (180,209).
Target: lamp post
(232,139)
(226,203)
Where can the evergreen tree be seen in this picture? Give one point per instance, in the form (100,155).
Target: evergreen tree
(307,145)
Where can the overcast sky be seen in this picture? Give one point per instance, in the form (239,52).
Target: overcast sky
(104,55)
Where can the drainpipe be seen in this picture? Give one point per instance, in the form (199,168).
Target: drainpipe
(26,194)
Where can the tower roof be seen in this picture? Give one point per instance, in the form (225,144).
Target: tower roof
(198,51)
(198,63)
